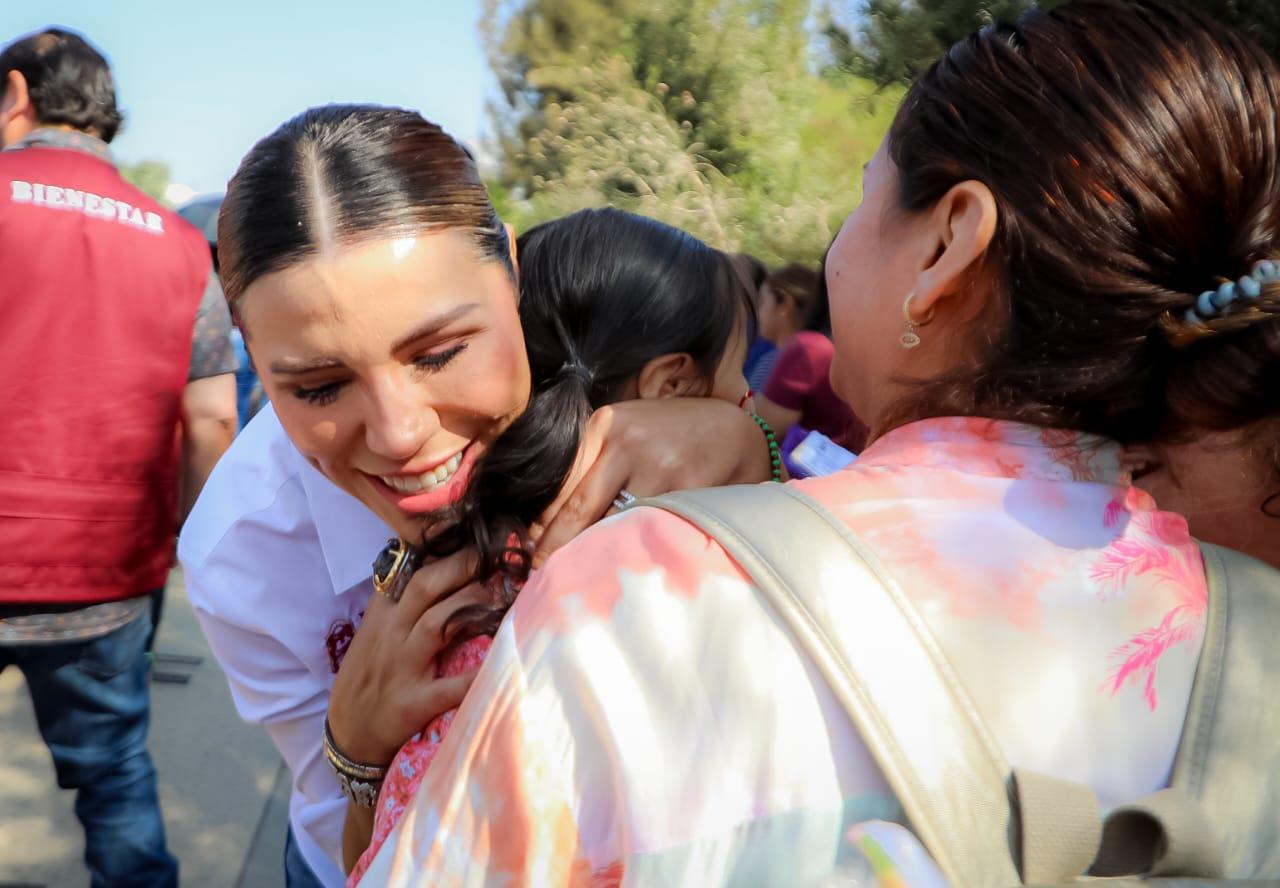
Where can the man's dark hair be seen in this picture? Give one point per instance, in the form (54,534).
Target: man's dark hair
(68,80)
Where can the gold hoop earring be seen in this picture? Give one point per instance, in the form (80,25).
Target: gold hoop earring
(911,339)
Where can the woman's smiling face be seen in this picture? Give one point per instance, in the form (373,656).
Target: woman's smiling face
(392,365)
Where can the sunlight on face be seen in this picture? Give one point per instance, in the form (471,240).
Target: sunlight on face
(870,268)
(392,365)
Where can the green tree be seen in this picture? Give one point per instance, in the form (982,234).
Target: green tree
(897,40)
(708,114)
(149,176)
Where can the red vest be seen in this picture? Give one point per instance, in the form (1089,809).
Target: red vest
(99,288)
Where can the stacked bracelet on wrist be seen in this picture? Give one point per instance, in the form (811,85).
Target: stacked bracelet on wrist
(775,453)
(360,782)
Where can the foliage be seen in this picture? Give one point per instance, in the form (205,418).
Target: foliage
(712,115)
(896,40)
(149,176)
(734,119)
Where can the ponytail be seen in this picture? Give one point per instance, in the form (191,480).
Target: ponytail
(515,481)
(603,292)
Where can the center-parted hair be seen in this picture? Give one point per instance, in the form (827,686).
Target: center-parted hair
(342,174)
(1133,150)
(602,293)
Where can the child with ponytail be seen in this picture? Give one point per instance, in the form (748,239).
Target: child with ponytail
(614,307)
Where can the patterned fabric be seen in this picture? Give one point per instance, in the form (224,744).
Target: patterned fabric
(642,718)
(212,352)
(71,140)
(410,764)
(38,625)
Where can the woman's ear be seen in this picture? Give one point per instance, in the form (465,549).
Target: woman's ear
(670,376)
(960,229)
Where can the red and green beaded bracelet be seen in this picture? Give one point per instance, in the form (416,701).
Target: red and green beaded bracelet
(775,453)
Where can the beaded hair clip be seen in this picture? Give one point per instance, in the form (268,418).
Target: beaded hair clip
(1210,303)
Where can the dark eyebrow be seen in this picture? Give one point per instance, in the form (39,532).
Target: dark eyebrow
(429,327)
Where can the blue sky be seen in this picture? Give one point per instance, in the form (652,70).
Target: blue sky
(201,82)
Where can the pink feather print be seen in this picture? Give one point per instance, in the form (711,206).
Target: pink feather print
(1112,513)
(1153,542)
(1160,547)
(1139,657)
(1124,559)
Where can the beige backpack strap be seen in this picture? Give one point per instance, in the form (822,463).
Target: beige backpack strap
(1193,749)
(1229,757)
(1057,827)
(932,747)
(971,812)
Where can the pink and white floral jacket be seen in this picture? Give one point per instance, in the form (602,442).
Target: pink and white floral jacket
(642,718)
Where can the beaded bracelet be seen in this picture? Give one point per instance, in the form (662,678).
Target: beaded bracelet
(775,453)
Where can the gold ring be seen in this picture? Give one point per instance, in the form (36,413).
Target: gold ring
(392,568)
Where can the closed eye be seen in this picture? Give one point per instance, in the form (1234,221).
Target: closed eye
(319,395)
(433,361)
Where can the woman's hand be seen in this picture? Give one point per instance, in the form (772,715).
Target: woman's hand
(650,447)
(386,690)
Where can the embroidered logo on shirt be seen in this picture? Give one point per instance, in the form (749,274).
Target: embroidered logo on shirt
(94,205)
(337,642)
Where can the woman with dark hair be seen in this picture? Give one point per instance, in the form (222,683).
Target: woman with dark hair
(784,307)
(1063,247)
(376,289)
(588,283)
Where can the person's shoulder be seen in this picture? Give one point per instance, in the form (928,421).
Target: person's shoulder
(812,343)
(11,160)
(171,224)
(256,483)
(646,559)
(804,352)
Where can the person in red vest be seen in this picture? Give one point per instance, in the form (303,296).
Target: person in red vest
(109,406)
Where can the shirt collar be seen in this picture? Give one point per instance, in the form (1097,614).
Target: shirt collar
(71,140)
(350,535)
(978,446)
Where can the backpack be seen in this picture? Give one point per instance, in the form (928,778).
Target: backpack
(985,823)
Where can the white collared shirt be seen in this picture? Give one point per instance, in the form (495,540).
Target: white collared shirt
(277,563)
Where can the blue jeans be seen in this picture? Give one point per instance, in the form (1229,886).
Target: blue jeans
(297,872)
(93,706)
